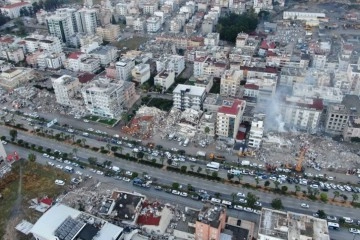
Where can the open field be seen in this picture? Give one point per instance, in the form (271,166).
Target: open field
(131,44)
(37,182)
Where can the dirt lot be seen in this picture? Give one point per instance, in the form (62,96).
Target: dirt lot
(130,44)
(37,181)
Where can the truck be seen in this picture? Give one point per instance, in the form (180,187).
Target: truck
(245,163)
(217,158)
(201,154)
(213,166)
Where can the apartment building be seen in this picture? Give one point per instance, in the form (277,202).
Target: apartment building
(338,115)
(13,10)
(15,54)
(353,73)
(301,113)
(13,77)
(104,98)
(319,61)
(290,76)
(229,117)
(106,54)
(62,24)
(40,42)
(124,68)
(65,88)
(86,20)
(109,32)
(150,7)
(327,94)
(187,96)
(53,61)
(203,81)
(230,83)
(307,16)
(89,64)
(352,129)
(241,39)
(210,223)
(139,24)
(153,24)
(122,8)
(279,225)
(212,39)
(169,62)
(209,66)
(164,79)
(256,131)
(141,73)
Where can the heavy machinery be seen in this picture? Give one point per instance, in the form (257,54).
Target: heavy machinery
(217,158)
(300,159)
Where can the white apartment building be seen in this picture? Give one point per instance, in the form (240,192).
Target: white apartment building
(342,82)
(86,20)
(161,15)
(47,43)
(164,79)
(352,129)
(150,7)
(139,24)
(205,65)
(302,113)
(212,39)
(251,90)
(353,73)
(62,24)
(89,64)
(72,62)
(327,94)
(187,96)
(13,10)
(175,25)
(230,83)
(104,98)
(124,68)
(13,54)
(319,61)
(256,131)
(53,61)
(109,32)
(65,88)
(229,117)
(106,54)
(122,9)
(141,73)
(171,62)
(241,40)
(153,24)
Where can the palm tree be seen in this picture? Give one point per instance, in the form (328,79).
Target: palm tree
(108,146)
(355,197)
(192,166)
(73,137)
(336,195)
(233,196)
(297,188)
(207,171)
(257,181)
(239,177)
(162,159)
(276,183)
(120,149)
(75,150)
(83,140)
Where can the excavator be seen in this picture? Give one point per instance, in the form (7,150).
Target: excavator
(299,165)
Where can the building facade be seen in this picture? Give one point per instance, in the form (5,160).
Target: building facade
(65,88)
(187,96)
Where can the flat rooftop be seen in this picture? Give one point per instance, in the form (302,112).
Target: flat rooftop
(289,225)
(189,90)
(125,205)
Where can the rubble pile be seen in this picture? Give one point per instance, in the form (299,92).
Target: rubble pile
(321,152)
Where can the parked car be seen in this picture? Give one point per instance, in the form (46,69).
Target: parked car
(247,209)
(354,230)
(183,194)
(304,205)
(239,207)
(348,220)
(331,218)
(59,182)
(175,192)
(159,188)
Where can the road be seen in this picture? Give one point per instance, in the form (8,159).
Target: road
(290,203)
(173,199)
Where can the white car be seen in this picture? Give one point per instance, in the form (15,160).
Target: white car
(59,182)
(240,194)
(51,164)
(258,212)
(314,186)
(85,134)
(304,205)
(348,220)
(239,207)
(78,173)
(52,157)
(242,200)
(70,130)
(4,142)
(258,204)
(247,209)
(85,120)
(45,155)
(99,172)
(128,173)
(354,230)
(126,179)
(175,192)
(90,129)
(59,167)
(183,194)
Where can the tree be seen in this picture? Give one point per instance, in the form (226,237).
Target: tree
(83,140)
(336,195)
(214,174)
(276,183)
(199,169)
(251,199)
(297,189)
(321,214)
(230,176)
(233,196)
(75,150)
(266,183)
(108,146)
(284,189)
(276,203)
(175,186)
(73,137)
(190,188)
(207,130)
(355,197)
(183,168)
(192,167)
(32,157)
(323,197)
(239,177)
(13,134)
(344,197)
(162,159)
(257,181)
(207,171)
(140,155)
(120,149)
(217,194)
(92,160)
(114,148)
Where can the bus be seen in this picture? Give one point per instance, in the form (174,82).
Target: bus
(213,166)
(334,226)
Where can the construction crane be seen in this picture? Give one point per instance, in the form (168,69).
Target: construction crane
(300,159)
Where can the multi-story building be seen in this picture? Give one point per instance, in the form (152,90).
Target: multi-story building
(241,40)
(103,98)
(141,73)
(164,79)
(230,83)
(124,68)
(106,54)
(89,64)
(86,20)
(352,129)
(290,76)
(72,62)
(62,24)
(338,115)
(53,61)
(153,24)
(14,54)
(122,9)
(319,61)
(65,88)
(210,223)
(41,16)
(170,62)
(353,72)
(212,39)
(256,131)
(139,24)
(109,33)
(278,225)
(229,117)
(187,96)
(13,10)
(150,7)
(47,43)
(327,94)
(302,113)
(341,81)
(307,16)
